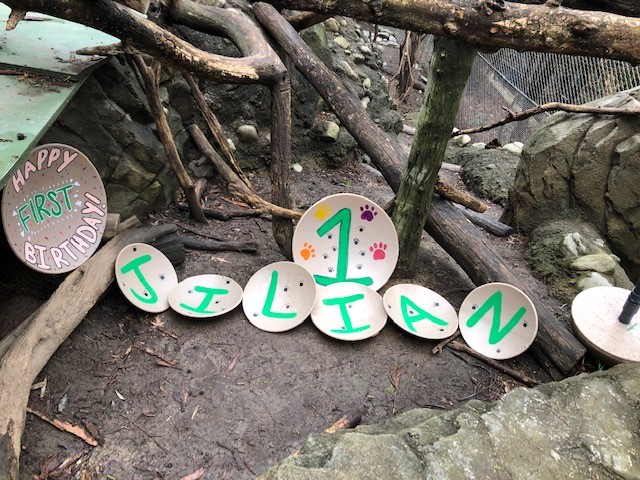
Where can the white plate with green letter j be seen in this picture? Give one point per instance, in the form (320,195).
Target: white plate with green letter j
(498,320)
(145,277)
(205,296)
(348,311)
(420,311)
(279,297)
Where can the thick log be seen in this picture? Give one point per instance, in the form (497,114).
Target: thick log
(46,330)
(495,24)
(563,355)
(215,246)
(302,20)
(281,162)
(258,65)
(138,5)
(628,8)
(492,226)
(449,69)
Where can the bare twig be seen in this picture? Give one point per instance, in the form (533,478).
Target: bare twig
(14,18)
(547,107)
(438,348)
(66,427)
(156,354)
(520,377)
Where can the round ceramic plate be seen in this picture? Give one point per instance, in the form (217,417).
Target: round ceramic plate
(420,311)
(279,297)
(145,277)
(498,320)
(595,313)
(205,296)
(346,238)
(348,311)
(54,209)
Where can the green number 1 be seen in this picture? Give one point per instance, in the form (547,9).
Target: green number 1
(342,218)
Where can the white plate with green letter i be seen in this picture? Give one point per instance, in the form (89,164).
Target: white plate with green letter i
(498,320)
(348,311)
(420,311)
(145,277)
(204,296)
(279,297)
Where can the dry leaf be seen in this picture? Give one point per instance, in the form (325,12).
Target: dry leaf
(119,395)
(394,376)
(195,475)
(158,322)
(233,363)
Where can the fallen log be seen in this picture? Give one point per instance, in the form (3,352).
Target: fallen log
(223,215)
(555,347)
(495,227)
(47,328)
(215,246)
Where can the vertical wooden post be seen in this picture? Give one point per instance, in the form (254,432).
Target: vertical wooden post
(281,161)
(450,67)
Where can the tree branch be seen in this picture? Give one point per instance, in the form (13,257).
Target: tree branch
(259,65)
(494,24)
(548,107)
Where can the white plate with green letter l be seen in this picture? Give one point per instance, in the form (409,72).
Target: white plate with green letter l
(204,296)
(420,311)
(498,320)
(279,297)
(145,276)
(346,238)
(348,311)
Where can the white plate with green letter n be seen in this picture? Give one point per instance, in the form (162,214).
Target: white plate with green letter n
(205,296)
(498,320)
(346,238)
(279,297)
(145,276)
(348,311)
(54,209)
(420,311)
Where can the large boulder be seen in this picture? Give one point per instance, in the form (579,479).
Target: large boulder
(582,427)
(587,166)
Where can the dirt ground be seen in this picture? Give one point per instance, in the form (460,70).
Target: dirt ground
(238,399)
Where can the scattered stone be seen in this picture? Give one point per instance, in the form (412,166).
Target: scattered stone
(366,50)
(358,58)
(349,70)
(341,42)
(332,25)
(343,22)
(330,132)
(461,140)
(595,262)
(594,279)
(366,159)
(296,167)
(366,83)
(490,166)
(247,133)
(479,145)
(232,145)
(513,148)
(379,48)
(365,102)
(572,242)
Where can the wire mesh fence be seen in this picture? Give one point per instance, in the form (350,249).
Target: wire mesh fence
(521,80)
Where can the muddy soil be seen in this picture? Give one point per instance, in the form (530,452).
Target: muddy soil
(238,399)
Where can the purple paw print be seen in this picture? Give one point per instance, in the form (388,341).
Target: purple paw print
(367,213)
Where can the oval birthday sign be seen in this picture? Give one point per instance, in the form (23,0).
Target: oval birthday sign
(346,238)
(54,209)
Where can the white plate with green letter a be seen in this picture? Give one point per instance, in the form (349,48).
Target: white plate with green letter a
(348,311)
(498,320)
(420,311)
(279,297)
(145,277)
(204,296)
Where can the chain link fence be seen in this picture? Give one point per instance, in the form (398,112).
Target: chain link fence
(521,80)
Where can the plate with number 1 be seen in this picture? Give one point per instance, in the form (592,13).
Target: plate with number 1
(346,238)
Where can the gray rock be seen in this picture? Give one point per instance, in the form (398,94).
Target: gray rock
(584,165)
(366,49)
(590,433)
(330,132)
(572,242)
(332,25)
(591,280)
(358,58)
(247,133)
(341,42)
(596,262)
(349,70)
(366,83)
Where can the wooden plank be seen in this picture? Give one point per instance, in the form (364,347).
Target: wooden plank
(47,45)
(28,108)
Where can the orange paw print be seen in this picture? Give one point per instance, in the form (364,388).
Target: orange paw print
(308,251)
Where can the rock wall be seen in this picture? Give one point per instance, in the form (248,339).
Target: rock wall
(582,427)
(586,166)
